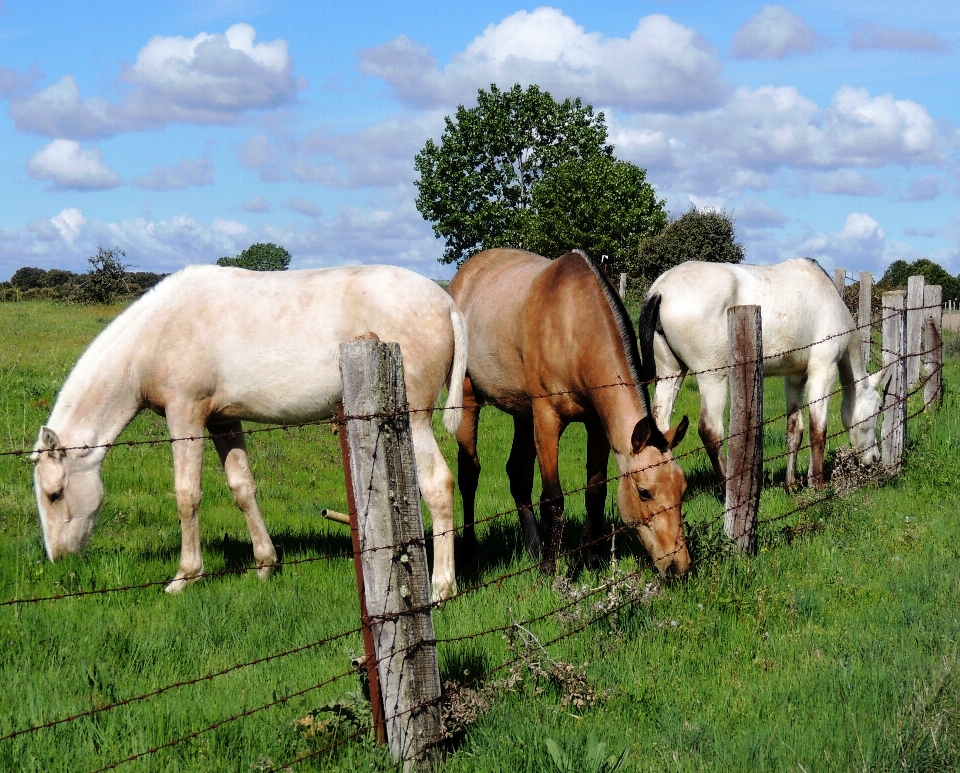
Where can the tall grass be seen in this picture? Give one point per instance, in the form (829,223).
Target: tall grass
(832,649)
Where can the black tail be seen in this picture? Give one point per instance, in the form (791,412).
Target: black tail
(646,327)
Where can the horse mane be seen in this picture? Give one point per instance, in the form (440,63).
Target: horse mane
(628,337)
(90,361)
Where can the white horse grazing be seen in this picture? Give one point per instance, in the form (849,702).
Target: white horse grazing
(209,347)
(799,306)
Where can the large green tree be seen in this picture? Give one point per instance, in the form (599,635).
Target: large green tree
(476,186)
(262,256)
(602,205)
(897,273)
(699,234)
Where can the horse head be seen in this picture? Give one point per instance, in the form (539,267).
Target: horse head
(650,495)
(860,410)
(69,493)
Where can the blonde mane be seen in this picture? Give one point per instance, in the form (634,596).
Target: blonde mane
(126,324)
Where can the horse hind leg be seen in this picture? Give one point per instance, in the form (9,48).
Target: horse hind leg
(468,464)
(230,442)
(187,468)
(793,389)
(713,403)
(436,488)
(670,374)
(520,474)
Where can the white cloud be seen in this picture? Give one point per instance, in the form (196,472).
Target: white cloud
(761,133)
(302,206)
(187,172)
(67,165)
(208,79)
(663,65)
(255,204)
(844,182)
(860,242)
(68,223)
(879,38)
(925,188)
(754,213)
(231,227)
(774,33)
(379,155)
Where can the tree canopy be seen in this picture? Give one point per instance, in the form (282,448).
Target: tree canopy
(601,204)
(262,256)
(699,234)
(897,273)
(477,185)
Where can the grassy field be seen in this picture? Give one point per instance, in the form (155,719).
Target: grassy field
(833,649)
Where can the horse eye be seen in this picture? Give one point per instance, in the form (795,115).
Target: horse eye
(645,495)
(56,495)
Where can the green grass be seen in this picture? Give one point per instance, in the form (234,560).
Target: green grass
(832,649)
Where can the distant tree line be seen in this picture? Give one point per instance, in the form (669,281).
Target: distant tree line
(107,280)
(896,275)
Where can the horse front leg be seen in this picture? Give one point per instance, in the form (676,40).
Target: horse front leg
(547,428)
(713,403)
(231,445)
(187,467)
(520,474)
(793,389)
(819,412)
(436,488)
(595,497)
(468,464)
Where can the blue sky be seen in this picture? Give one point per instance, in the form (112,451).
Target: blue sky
(188,130)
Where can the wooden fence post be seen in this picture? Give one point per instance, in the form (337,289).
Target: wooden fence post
(394,560)
(865,313)
(623,285)
(839,279)
(894,428)
(745,442)
(915,317)
(933,345)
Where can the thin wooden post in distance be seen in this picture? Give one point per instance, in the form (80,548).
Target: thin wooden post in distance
(393,553)
(623,285)
(915,317)
(745,444)
(839,279)
(893,432)
(933,345)
(865,313)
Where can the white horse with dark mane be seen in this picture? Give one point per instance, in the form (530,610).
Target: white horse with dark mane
(809,337)
(209,347)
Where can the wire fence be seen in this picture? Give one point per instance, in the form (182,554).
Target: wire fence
(610,588)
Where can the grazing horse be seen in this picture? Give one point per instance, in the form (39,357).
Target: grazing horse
(209,347)
(550,344)
(808,336)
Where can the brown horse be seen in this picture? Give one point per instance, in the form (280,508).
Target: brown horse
(550,344)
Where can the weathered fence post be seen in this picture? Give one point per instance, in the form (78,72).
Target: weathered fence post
(915,317)
(839,279)
(393,555)
(933,345)
(894,428)
(623,285)
(745,442)
(369,662)
(865,313)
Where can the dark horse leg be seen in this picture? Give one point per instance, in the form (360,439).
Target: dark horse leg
(468,464)
(598,453)
(548,426)
(520,473)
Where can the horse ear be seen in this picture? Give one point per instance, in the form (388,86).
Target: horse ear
(641,434)
(675,436)
(49,441)
(881,379)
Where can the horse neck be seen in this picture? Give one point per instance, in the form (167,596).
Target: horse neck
(619,408)
(100,402)
(853,376)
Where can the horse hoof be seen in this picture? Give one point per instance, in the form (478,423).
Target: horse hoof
(443,590)
(177,585)
(265,570)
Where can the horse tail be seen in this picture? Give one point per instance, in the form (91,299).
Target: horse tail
(647,324)
(453,410)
